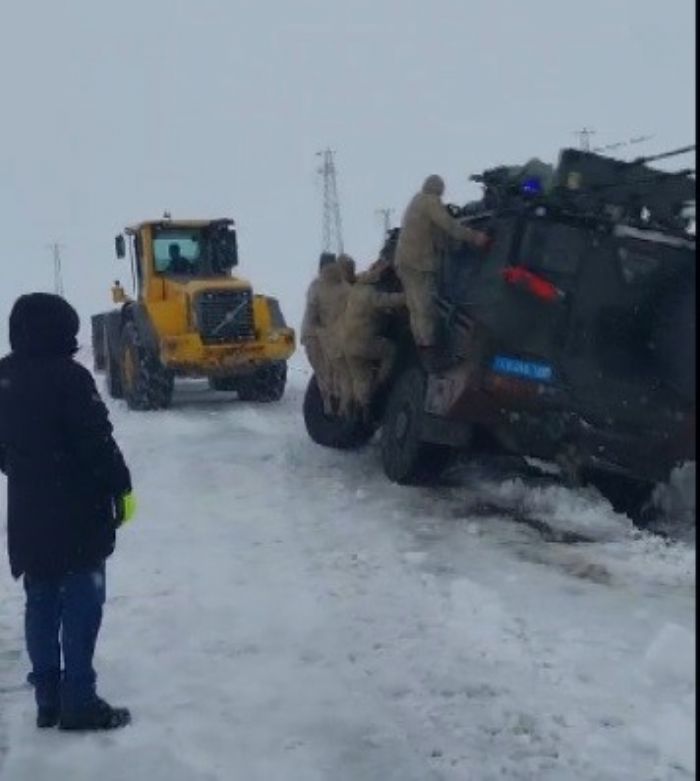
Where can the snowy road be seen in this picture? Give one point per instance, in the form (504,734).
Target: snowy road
(279,612)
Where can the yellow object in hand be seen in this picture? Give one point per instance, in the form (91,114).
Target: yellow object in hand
(128,506)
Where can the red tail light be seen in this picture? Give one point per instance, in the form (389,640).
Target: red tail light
(527,280)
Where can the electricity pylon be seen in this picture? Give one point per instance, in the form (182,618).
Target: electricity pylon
(332,222)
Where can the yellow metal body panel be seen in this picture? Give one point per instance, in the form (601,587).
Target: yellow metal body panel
(188,355)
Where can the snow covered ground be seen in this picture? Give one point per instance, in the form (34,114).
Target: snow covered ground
(280,612)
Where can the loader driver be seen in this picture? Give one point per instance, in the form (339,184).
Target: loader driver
(179,264)
(425,226)
(369,355)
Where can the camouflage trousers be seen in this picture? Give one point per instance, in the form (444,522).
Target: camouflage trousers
(332,374)
(420,288)
(317,358)
(369,368)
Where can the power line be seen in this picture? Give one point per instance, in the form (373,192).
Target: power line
(56,248)
(332,223)
(621,144)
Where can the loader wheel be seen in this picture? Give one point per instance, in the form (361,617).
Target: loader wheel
(146,382)
(405,458)
(113,377)
(99,344)
(332,430)
(267,384)
(223,384)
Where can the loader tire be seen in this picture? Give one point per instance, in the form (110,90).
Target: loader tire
(405,458)
(265,385)
(332,430)
(99,353)
(113,377)
(147,384)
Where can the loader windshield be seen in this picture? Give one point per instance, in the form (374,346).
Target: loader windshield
(178,251)
(206,251)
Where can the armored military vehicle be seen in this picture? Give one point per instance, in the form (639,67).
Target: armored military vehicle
(572,340)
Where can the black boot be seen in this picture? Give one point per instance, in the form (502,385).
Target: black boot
(98,715)
(47,717)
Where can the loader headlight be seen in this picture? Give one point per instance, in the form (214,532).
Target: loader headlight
(274,336)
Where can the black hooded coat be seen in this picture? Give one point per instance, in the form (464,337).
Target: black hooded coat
(64,469)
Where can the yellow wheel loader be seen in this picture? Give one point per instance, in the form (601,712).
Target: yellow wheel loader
(190,317)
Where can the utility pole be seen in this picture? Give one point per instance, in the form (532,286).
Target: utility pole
(385,214)
(584,138)
(56,248)
(332,223)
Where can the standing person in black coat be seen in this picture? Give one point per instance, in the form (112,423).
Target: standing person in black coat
(68,491)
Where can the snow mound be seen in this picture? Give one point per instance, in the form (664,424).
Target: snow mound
(580,512)
(669,669)
(670,659)
(677,503)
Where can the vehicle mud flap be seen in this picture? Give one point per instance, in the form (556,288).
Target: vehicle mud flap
(406,457)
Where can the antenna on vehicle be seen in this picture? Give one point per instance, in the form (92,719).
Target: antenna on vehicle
(664,155)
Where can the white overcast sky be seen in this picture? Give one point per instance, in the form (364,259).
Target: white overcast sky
(111,112)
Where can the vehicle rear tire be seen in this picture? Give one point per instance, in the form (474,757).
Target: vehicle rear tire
(406,459)
(265,385)
(332,430)
(627,496)
(147,384)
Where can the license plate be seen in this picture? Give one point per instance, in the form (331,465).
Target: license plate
(517,367)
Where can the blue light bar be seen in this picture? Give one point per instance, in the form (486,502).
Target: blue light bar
(532,186)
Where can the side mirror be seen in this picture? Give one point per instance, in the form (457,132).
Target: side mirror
(120,246)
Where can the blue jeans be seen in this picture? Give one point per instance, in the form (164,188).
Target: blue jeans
(64,616)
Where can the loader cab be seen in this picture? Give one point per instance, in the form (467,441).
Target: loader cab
(179,250)
(197,252)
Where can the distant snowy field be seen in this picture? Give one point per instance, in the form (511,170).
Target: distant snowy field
(280,612)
